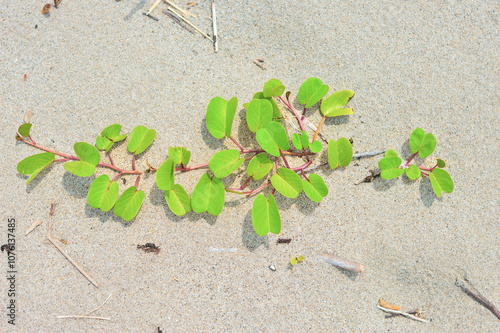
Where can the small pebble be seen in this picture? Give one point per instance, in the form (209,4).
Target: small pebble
(271,267)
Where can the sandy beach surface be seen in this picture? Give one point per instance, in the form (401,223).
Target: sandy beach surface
(87,65)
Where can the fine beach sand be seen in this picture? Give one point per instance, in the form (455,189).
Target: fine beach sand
(428,64)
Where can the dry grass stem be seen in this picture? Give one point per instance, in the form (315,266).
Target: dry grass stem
(343,263)
(84,317)
(214,26)
(33,226)
(183,12)
(153,7)
(51,240)
(403,314)
(189,23)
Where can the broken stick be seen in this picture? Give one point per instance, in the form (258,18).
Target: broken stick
(403,314)
(49,237)
(478,297)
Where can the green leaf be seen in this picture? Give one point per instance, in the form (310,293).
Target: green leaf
(441,163)
(312,91)
(165,175)
(208,195)
(273,88)
(333,105)
(300,258)
(287,182)
(293,261)
(259,166)
(259,113)
(423,143)
(390,167)
(391,152)
(225,162)
(89,157)
(103,143)
(265,215)
(339,153)
(315,188)
(220,116)
(24,130)
(272,138)
(128,204)
(413,172)
(305,139)
(276,110)
(140,139)
(441,181)
(103,193)
(178,200)
(316,147)
(297,143)
(34,164)
(180,155)
(111,132)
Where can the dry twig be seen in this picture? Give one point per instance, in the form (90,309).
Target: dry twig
(33,226)
(478,297)
(343,263)
(189,23)
(259,63)
(50,239)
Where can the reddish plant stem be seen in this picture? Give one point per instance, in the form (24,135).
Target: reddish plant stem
(302,167)
(284,159)
(289,105)
(110,159)
(117,176)
(425,173)
(411,158)
(133,162)
(242,186)
(236,143)
(259,189)
(199,166)
(303,114)
(137,182)
(307,156)
(67,157)
(304,174)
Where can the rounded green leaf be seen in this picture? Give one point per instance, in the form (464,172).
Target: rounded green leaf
(297,143)
(24,130)
(208,195)
(259,166)
(273,88)
(287,182)
(413,172)
(180,155)
(428,145)
(80,168)
(390,167)
(259,113)
(103,193)
(333,105)
(265,215)
(441,181)
(111,132)
(391,152)
(316,147)
(276,110)
(220,116)
(178,200)
(272,137)
(304,138)
(165,175)
(416,139)
(128,204)
(140,139)
(300,258)
(315,188)
(293,261)
(225,162)
(441,163)
(312,91)
(87,153)
(103,143)
(34,164)
(339,153)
